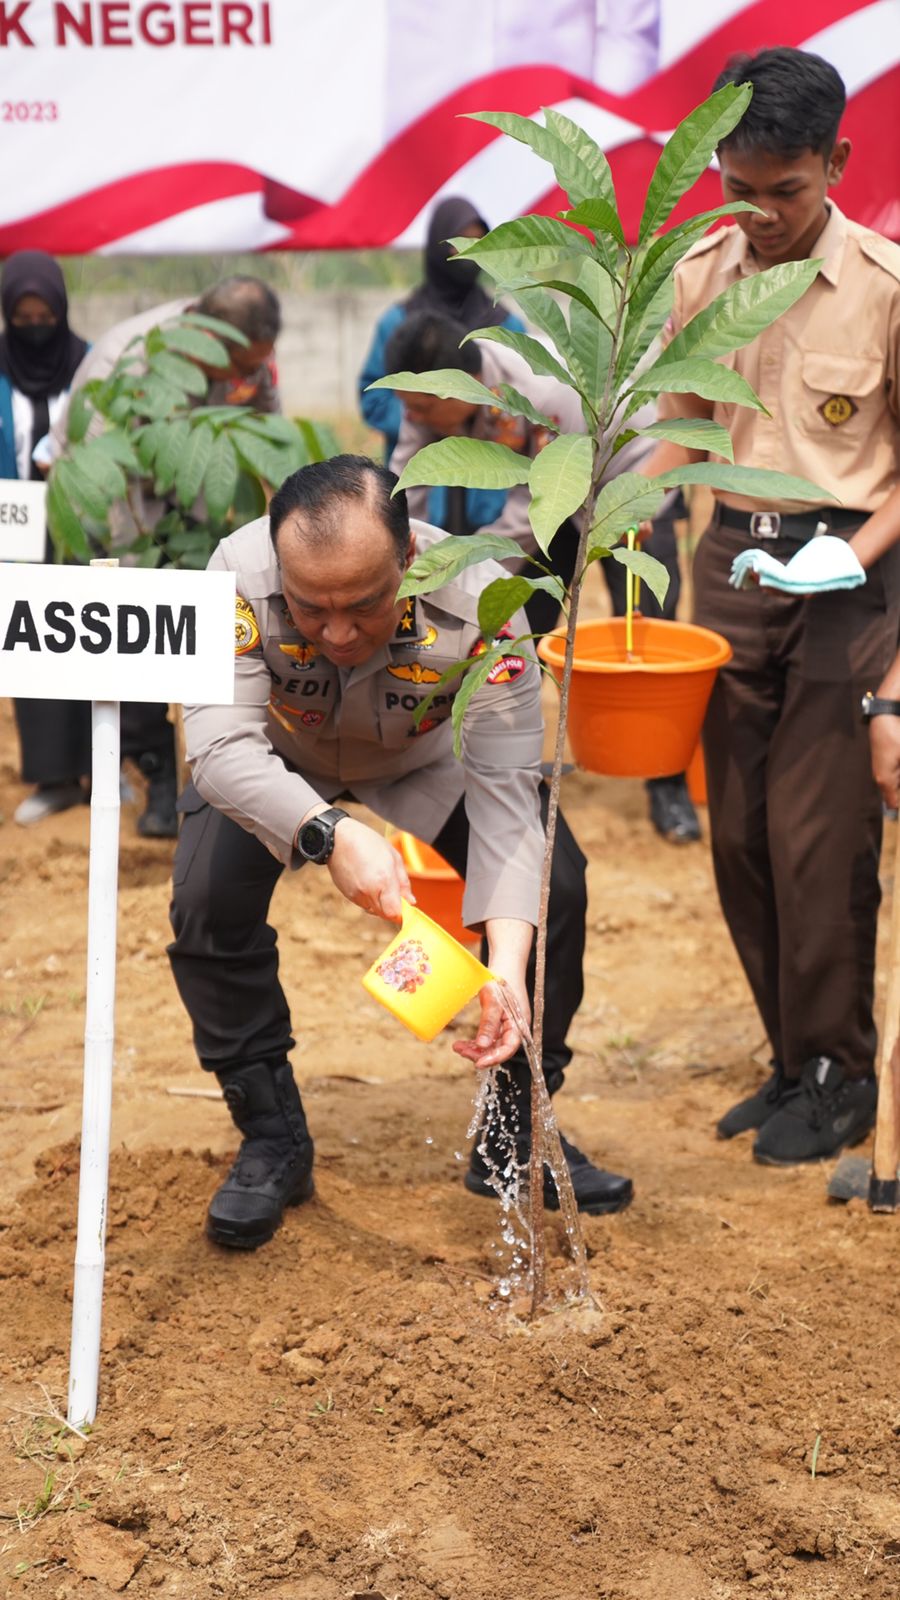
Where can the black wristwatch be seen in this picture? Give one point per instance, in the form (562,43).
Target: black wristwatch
(872,706)
(315,839)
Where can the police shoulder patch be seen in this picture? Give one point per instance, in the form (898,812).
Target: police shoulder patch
(246,627)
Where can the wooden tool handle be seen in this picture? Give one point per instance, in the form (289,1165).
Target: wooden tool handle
(887,1125)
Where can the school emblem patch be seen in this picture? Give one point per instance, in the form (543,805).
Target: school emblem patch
(838,408)
(246,627)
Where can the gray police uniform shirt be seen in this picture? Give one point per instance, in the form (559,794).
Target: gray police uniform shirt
(303,730)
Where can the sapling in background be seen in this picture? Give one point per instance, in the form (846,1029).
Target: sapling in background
(187,473)
(601,302)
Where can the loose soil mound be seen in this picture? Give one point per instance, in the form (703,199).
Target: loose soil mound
(349,1412)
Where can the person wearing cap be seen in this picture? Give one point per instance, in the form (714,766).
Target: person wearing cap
(795,816)
(329,670)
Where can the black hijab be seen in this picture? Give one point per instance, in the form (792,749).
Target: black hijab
(451,287)
(37,371)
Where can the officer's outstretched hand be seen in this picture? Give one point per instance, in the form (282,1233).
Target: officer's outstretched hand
(884,742)
(498,1036)
(369,871)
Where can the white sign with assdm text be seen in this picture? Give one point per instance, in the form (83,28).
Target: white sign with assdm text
(117,633)
(23,520)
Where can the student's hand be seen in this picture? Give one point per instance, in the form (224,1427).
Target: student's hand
(884,743)
(368,870)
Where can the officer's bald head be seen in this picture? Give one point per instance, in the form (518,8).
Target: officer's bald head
(312,505)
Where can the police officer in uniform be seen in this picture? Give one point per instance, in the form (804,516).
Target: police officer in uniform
(329,670)
(795,817)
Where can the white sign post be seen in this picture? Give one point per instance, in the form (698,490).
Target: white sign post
(106,633)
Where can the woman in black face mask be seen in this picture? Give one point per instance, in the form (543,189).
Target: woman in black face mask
(38,357)
(452,289)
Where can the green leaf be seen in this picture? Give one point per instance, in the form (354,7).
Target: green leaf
(117,447)
(221,416)
(180,371)
(622,503)
(63,521)
(466,463)
(579,164)
(757,483)
(320,440)
(505,596)
(516,251)
(451,383)
(220,478)
(742,311)
(278,430)
(598,215)
(169,452)
(249,499)
(539,358)
(695,433)
(560,482)
(655,259)
(159,398)
(697,376)
(198,344)
(147,441)
(445,560)
(641,326)
(98,465)
(689,152)
(647,568)
(476,675)
(224,330)
(589,332)
(193,464)
(80,414)
(82,485)
(272,463)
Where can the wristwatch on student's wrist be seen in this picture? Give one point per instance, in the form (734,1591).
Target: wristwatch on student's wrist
(875,706)
(315,838)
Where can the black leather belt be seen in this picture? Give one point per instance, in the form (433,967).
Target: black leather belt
(782,525)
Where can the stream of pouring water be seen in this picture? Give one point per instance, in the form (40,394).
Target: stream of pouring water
(497,1146)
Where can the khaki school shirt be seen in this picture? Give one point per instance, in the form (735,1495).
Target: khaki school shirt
(554,400)
(828,371)
(303,730)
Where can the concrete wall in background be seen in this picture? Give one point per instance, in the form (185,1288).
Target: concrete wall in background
(322,346)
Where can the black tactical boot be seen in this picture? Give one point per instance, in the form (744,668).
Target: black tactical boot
(274,1164)
(160,819)
(596,1190)
(672,809)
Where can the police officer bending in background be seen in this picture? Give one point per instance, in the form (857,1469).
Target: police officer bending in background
(326,656)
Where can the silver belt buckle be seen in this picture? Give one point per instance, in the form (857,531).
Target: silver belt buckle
(765,524)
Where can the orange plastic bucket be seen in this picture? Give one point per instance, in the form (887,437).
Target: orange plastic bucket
(438,888)
(696,777)
(638,718)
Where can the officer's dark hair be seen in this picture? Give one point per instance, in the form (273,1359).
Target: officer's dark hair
(426,341)
(798,101)
(248,304)
(316,493)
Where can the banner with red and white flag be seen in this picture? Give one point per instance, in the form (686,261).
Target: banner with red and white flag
(165,125)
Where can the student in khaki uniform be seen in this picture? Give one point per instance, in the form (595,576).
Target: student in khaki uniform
(429,341)
(795,816)
(329,671)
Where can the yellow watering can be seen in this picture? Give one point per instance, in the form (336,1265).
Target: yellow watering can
(425,976)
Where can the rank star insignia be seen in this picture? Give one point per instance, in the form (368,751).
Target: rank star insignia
(407,623)
(838,408)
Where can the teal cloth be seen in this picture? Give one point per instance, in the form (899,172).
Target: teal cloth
(825,563)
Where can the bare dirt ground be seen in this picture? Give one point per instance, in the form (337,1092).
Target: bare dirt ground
(348,1412)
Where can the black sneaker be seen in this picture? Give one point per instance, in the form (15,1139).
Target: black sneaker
(274,1164)
(597,1192)
(818,1115)
(672,811)
(751,1114)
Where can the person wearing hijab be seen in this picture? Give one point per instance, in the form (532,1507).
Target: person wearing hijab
(38,357)
(450,288)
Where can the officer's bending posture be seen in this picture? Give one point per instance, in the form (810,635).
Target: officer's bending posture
(330,667)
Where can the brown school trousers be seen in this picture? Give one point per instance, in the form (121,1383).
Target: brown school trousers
(795,815)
